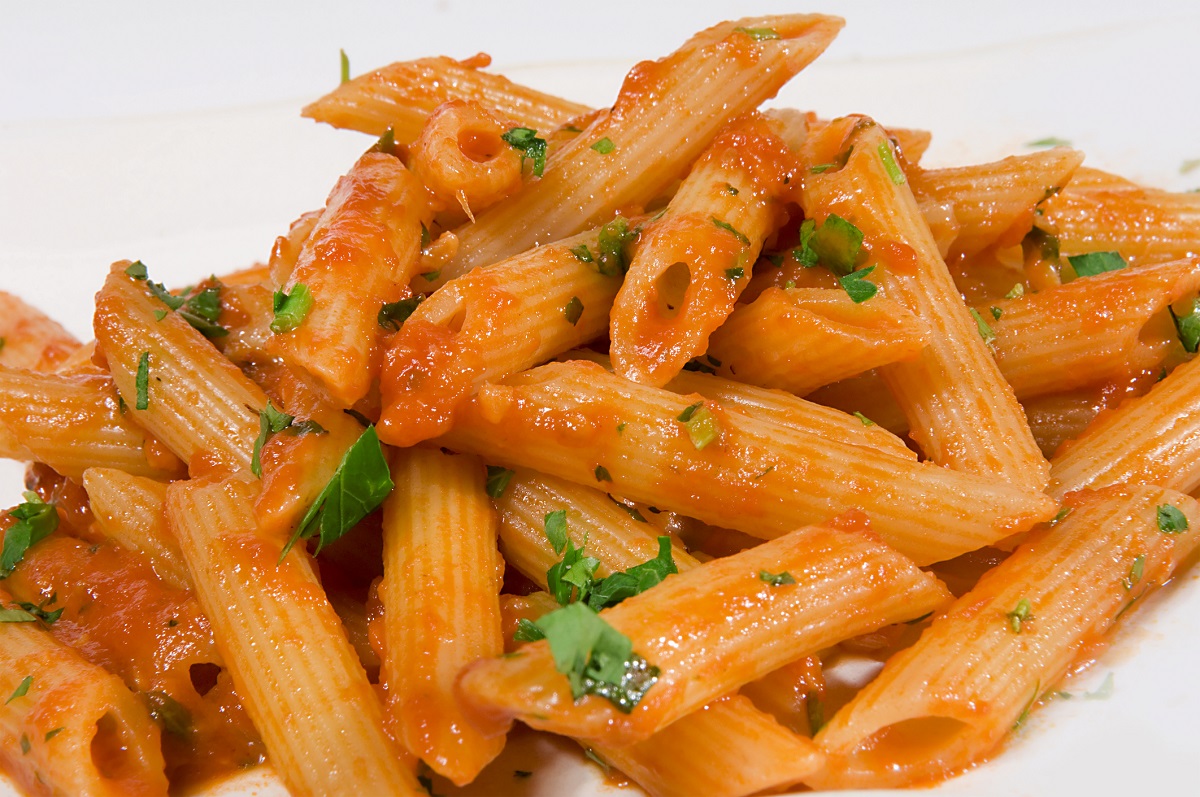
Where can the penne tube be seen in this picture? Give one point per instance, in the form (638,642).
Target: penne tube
(441,605)
(494,322)
(284,647)
(694,261)
(944,703)
(993,203)
(1090,330)
(1099,212)
(666,114)
(1152,439)
(749,628)
(70,727)
(32,340)
(172,380)
(286,250)
(361,253)
(1059,417)
(959,408)
(129,511)
(73,421)
(800,339)
(753,476)
(401,96)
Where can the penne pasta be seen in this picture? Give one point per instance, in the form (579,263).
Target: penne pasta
(129,511)
(32,341)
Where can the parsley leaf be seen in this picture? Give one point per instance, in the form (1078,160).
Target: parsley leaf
(142,381)
(734,274)
(137,270)
(864,419)
(724,225)
(357,487)
(21,690)
(527,631)
(1022,613)
(857,286)
(889,163)
(572,578)
(36,520)
(555,526)
(393,314)
(985,331)
(168,712)
(835,244)
(291,308)
(1188,327)
(602,474)
(16,616)
(573,311)
(758,34)
(201,309)
(604,146)
(1016,291)
(1049,141)
(996,312)
(596,658)
(702,426)
(632,511)
(1094,263)
(613,589)
(270,421)
(1135,572)
(497,480)
(1171,520)
(387,145)
(345,60)
(525,140)
(39,610)
(776,579)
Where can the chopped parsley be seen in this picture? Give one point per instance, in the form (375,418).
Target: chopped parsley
(1022,613)
(889,163)
(838,162)
(573,311)
(387,145)
(865,420)
(1171,520)
(36,520)
(1094,263)
(525,141)
(610,259)
(729,189)
(291,308)
(1061,515)
(345,60)
(527,631)
(604,146)
(270,421)
(602,474)
(137,270)
(430,276)
(702,426)
(724,225)
(815,711)
(393,314)
(1024,715)
(571,578)
(758,34)
(51,734)
(201,309)
(22,689)
(1016,291)
(1049,141)
(1187,326)
(613,589)
(16,616)
(596,658)
(497,480)
(985,331)
(357,487)
(776,579)
(735,273)
(834,244)
(39,610)
(25,745)
(1135,573)
(555,525)
(142,381)
(168,712)
(857,286)
(632,511)
(996,312)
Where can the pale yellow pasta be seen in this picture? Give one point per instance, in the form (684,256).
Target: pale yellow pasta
(401,96)
(441,605)
(944,703)
(31,339)
(129,510)
(196,402)
(74,421)
(74,728)
(666,114)
(566,419)
(802,338)
(284,647)
(960,410)
(738,627)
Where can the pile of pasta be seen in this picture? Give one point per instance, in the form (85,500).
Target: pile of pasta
(621,424)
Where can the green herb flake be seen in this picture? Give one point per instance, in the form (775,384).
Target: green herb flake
(39,610)
(430,276)
(573,311)
(357,487)
(22,689)
(571,578)
(996,312)
(610,259)
(142,381)
(734,274)
(985,331)
(555,525)
(1135,573)
(835,244)
(1061,515)
(889,163)
(137,270)
(1188,327)
(525,141)
(596,658)
(864,419)
(16,616)
(51,734)
(387,145)
(497,480)
(604,146)
(595,758)
(345,62)
(621,427)
(25,745)
(1094,263)
(702,426)
(582,253)
(159,315)
(393,314)
(758,34)
(815,711)
(1049,141)
(729,189)
(602,474)
(1024,715)
(168,712)
(776,579)
(1016,291)
(270,422)
(36,520)
(724,225)
(1022,613)
(1171,520)
(613,589)
(857,286)
(527,631)
(839,162)
(632,511)
(291,308)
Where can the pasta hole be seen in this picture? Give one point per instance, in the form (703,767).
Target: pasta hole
(204,677)
(479,146)
(455,324)
(921,742)
(671,289)
(110,750)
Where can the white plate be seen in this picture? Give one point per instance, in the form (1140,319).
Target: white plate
(116,140)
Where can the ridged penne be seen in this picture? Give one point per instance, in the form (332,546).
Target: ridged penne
(665,115)
(737,623)
(32,340)
(441,605)
(401,96)
(760,478)
(71,727)
(173,381)
(960,410)
(129,511)
(802,338)
(284,646)
(360,255)
(944,703)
